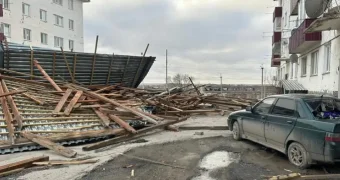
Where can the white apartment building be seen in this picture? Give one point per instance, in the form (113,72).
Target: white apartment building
(306,44)
(44,23)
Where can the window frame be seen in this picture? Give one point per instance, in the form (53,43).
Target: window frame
(4,3)
(59,38)
(69,43)
(3,29)
(41,38)
(277,100)
(304,66)
(30,34)
(57,2)
(328,58)
(69,24)
(56,19)
(254,108)
(314,68)
(41,13)
(23,9)
(71,2)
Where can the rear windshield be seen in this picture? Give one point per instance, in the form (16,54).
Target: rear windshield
(324,108)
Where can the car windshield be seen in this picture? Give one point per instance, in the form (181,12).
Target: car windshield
(324,108)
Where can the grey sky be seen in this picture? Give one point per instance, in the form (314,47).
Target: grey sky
(204,37)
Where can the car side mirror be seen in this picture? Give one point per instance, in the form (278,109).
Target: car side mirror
(249,108)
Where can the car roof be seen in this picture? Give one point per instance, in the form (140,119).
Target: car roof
(301,96)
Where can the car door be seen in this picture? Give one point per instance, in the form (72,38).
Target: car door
(253,123)
(280,122)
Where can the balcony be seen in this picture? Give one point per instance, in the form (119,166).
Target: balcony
(275,61)
(277,13)
(301,41)
(276,49)
(294,7)
(1,11)
(325,23)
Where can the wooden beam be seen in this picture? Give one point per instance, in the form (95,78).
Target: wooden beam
(122,124)
(67,65)
(53,66)
(94,60)
(7,117)
(7,173)
(33,98)
(125,67)
(82,98)
(48,78)
(129,136)
(73,103)
(110,68)
(198,92)
(105,120)
(32,66)
(106,88)
(135,79)
(49,144)
(62,101)
(74,68)
(17,117)
(60,162)
(22,164)
(12,93)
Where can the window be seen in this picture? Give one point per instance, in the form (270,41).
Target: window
(71,24)
(70,4)
(327,64)
(264,106)
(43,15)
(71,45)
(5,4)
(25,9)
(314,63)
(291,70)
(59,21)
(6,28)
(60,2)
(27,34)
(300,110)
(286,18)
(58,41)
(43,38)
(304,66)
(284,107)
(296,69)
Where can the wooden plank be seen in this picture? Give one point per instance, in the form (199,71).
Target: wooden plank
(22,164)
(33,98)
(31,65)
(94,59)
(74,67)
(62,101)
(12,93)
(82,98)
(4,174)
(17,117)
(106,88)
(53,66)
(49,144)
(57,162)
(48,78)
(8,117)
(105,120)
(129,136)
(135,79)
(73,103)
(198,92)
(110,68)
(123,124)
(126,65)
(67,65)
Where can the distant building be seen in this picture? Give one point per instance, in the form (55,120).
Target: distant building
(44,23)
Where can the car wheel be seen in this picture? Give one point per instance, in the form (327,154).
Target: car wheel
(298,155)
(236,131)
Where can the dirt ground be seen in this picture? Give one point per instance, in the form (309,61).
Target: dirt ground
(255,162)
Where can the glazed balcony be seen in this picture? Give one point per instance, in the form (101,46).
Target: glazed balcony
(275,62)
(294,7)
(276,45)
(301,41)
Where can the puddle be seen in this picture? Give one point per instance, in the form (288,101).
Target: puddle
(215,160)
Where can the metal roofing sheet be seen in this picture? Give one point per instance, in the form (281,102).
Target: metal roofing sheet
(292,85)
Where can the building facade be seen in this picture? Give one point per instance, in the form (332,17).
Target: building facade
(306,44)
(44,23)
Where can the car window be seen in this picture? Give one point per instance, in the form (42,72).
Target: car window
(264,106)
(285,107)
(301,112)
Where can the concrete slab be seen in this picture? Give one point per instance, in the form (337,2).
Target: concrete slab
(78,171)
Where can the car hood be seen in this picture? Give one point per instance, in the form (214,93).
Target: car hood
(236,114)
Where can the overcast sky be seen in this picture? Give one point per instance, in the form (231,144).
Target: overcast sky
(204,37)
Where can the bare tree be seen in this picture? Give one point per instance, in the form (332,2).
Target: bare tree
(181,80)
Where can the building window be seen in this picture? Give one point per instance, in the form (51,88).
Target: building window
(314,63)
(70,4)
(60,2)
(291,70)
(43,15)
(5,4)
(6,28)
(71,24)
(286,18)
(59,21)
(25,9)
(327,64)
(296,69)
(27,34)
(44,38)
(71,44)
(304,66)
(58,42)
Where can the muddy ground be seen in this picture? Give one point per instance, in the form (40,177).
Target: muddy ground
(254,162)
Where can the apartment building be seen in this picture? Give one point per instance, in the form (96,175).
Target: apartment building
(306,44)
(44,23)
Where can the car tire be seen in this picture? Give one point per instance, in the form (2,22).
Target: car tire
(298,155)
(236,131)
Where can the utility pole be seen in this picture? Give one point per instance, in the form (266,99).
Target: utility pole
(262,83)
(166,70)
(221,85)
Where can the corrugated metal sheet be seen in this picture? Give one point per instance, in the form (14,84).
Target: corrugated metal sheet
(292,85)
(108,69)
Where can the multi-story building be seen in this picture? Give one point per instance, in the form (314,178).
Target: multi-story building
(44,23)
(306,44)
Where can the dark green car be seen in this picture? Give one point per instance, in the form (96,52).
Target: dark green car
(304,127)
